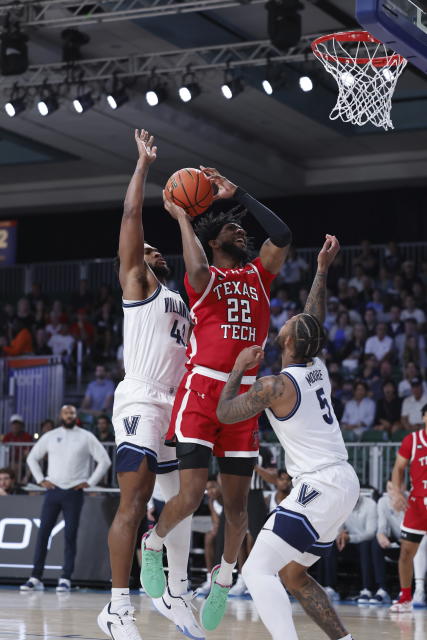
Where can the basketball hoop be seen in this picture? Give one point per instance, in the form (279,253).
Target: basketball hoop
(366,73)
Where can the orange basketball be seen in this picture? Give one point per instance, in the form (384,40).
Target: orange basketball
(191,190)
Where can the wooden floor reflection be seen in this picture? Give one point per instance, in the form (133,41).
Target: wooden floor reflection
(48,616)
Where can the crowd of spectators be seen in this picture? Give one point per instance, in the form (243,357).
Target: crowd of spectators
(376,339)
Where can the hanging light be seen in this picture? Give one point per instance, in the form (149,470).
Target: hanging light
(190,89)
(156,91)
(306,84)
(48,101)
(13,48)
(16,103)
(118,95)
(83,101)
(275,78)
(231,86)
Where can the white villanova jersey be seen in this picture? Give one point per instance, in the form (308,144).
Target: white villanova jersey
(155,335)
(310,434)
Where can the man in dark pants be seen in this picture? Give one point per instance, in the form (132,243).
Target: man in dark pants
(69,449)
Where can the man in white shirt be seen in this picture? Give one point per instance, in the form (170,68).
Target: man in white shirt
(69,449)
(381,344)
(411,407)
(411,311)
(62,343)
(359,413)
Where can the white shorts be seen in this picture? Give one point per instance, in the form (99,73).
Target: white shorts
(310,517)
(141,415)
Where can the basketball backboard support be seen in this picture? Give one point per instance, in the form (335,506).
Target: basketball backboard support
(400,24)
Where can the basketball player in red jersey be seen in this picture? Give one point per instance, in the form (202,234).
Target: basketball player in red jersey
(413,451)
(230,309)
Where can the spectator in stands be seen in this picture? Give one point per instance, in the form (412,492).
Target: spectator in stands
(62,343)
(370,369)
(46,426)
(370,320)
(340,335)
(21,343)
(69,449)
(411,371)
(357,280)
(336,395)
(8,486)
(36,296)
(294,269)
(385,543)
(104,429)
(412,406)
(411,311)
(409,275)
(332,313)
(17,434)
(213,490)
(380,345)
(82,330)
(23,313)
(278,315)
(355,349)
(58,309)
(377,304)
(39,316)
(377,384)
(410,329)
(99,393)
(359,413)
(392,257)
(104,295)
(41,344)
(105,327)
(395,325)
(283,487)
(54,326)
(367,259)
(359,530)
(83,298)
(388,410)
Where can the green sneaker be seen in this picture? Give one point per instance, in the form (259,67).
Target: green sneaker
(152,573)
(213,608)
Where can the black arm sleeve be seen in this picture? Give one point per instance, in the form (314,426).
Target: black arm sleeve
(278,231)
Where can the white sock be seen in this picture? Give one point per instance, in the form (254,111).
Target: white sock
(420,560)
(154,541)
(419,584)
(225,573)
(119,598)
(347,637)
(270,598)
(177,541)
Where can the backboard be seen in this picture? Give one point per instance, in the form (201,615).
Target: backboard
(400,24)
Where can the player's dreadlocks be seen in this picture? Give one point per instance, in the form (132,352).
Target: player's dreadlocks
(210,226)
(309,337)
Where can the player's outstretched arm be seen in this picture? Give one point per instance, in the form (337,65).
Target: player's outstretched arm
(316,301)
(275,249)
(196,262)
(264,393)
(131,242)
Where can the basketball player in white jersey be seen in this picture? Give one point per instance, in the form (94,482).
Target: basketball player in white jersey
(155,333)
(325,487)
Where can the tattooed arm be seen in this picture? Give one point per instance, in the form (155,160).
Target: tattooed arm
(264,393)
(316,301)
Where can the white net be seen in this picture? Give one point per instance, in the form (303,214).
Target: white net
(366,73)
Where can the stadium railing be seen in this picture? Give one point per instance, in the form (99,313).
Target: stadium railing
(58,278)
(373,463)
(33,387)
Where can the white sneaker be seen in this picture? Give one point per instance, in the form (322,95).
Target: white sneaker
(239,588)
(364,596)
(401,607)
(419,597)
(381,597)
(333,595)
(32,584)
(63,586)
(179,609)
(204,588)
(118,625)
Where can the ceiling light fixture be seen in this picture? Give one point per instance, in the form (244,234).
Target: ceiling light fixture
(190,89)
(156,91)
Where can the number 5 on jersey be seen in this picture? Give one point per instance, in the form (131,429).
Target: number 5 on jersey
(324,404)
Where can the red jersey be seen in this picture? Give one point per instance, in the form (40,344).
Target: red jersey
(414,449)
(232,313)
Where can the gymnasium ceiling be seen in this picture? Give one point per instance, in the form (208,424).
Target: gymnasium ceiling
(273,146)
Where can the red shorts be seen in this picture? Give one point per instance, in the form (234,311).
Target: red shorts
(194,419)
(415,519)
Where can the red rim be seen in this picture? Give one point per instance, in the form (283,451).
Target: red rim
(355,36)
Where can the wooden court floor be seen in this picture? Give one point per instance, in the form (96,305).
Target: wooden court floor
(48,616)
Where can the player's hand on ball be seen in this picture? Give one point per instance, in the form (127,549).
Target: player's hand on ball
(328,252)
(225,188)
(144,142)
(173,209)
(249,358)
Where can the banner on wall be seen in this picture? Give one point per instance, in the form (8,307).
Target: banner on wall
(7,242)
